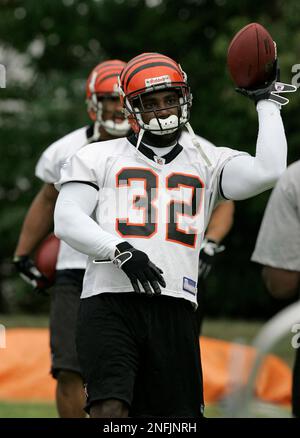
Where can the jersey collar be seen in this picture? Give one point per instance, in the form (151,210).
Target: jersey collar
(170,156)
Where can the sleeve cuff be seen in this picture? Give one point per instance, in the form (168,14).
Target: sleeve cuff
(265,105)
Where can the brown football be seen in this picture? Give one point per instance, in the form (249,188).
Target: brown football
(251,56)
(46,256)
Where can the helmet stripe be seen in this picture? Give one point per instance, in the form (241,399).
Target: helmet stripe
(102,79)
(145,54)
(143,58)
(117,65)
(107,70)
(112,62)
(104,76)
(149,65)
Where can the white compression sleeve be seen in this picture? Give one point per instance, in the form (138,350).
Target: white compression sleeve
(73,224)
(245,176)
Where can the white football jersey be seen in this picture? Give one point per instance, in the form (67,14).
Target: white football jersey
(48,170)
(159,204)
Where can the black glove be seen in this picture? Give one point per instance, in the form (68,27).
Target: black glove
(208,254)
(30,273)
(138,267)
(270,90)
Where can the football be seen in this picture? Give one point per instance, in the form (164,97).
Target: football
(46,256)
(251,56)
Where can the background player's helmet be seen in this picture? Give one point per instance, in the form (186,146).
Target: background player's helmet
(103,82)
(154,72)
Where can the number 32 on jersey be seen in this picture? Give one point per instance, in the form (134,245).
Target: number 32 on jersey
(147,194)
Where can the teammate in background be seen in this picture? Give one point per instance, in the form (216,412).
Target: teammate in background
(219,226)
(153,193)
(278,250)
(105,110)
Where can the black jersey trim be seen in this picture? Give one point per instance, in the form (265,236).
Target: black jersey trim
(220,185)
(88,183)
(170,156)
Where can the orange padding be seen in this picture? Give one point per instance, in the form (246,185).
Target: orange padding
(226,365)
(25,365)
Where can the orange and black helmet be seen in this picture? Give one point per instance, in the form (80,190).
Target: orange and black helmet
(102,82)
(152,72)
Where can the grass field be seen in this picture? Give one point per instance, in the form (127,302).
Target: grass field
(27,410)
(232,330)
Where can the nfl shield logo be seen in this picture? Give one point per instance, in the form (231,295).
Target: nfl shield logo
(159,160)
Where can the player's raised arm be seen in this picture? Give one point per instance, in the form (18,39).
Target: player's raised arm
(253,65)
(246,176)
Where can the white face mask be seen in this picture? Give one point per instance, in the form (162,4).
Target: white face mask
(159,126)
(116,129)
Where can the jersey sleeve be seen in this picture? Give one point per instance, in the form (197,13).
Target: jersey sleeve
(278,242)
(244,177)
(48,167)
(53,158)
(219,157)
(86,166)
(226,156)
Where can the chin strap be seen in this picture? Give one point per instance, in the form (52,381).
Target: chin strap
(96,131)
(197,144)
(194,140)
(139,154)
(139,140)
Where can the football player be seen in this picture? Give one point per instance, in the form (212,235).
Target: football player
(105,111)
(278,249)
(152,194)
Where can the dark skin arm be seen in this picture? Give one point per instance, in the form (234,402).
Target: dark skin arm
(220,222)
(38,221)
(281,283)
